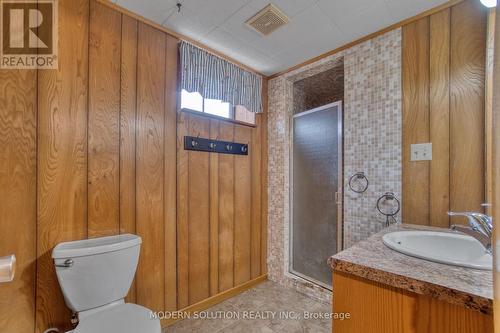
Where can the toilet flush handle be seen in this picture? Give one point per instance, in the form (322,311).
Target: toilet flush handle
(67,263)
(7,268)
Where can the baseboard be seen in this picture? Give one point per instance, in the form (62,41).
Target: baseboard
(216,299)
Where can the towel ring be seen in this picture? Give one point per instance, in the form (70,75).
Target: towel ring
(389,196)
(359,176)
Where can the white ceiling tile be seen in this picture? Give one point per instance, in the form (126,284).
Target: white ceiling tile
(403,9)
(347,8)
(270,45)
(188,23)
(310,47)
(315,27)
(289,7)
(236,24)
(154,10)
(214,11)
(270,66)
(362,22)
(231,46)
(310,25)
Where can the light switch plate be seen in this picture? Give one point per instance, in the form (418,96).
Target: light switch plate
(421,152)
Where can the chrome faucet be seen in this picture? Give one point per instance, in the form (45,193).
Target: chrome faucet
(480,227)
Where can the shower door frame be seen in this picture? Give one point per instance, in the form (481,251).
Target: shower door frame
(338,198)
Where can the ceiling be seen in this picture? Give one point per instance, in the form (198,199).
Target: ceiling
(316,26)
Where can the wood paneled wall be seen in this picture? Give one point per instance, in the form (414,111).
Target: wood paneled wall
(92,149)
(18,196)
(220,243)
(443,102)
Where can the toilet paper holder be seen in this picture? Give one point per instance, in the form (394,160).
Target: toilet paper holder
(7,268)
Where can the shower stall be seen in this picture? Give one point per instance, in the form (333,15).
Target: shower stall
(316,192)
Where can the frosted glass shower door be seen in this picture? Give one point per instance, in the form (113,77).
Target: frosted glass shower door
(316,192)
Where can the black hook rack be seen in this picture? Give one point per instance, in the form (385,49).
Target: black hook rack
(215,146)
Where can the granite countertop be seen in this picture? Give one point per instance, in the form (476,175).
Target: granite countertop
(372,260)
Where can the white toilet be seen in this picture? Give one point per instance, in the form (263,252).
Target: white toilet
(95,276)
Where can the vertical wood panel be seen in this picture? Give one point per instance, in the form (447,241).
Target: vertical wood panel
(62,157)
(468,47)
(455,114)
(439,108)
(182,212)
(264,178)
(226,211)
(415,81)
(218,252)
(150,166)
(170,174)
(242,209)
(103,121)
(128,115)
(488,109)
(255,211)
(199,215)
(18,196)
(214,213)
(495,195)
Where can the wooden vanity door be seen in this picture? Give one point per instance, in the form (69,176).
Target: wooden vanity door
(378,308)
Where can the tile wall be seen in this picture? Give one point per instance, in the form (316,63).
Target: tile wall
(372,144)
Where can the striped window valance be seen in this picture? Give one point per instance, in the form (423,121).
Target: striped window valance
(216,78)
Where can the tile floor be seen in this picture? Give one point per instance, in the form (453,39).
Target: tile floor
(269,301)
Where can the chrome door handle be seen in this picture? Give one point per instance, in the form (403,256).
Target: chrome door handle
(338,196)
(67,264)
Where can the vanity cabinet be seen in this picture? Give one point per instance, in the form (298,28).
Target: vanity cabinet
(385,291)
(376,307)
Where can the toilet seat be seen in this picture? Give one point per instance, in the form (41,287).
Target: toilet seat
(123,318)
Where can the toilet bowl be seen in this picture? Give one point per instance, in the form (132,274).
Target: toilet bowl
(95,276)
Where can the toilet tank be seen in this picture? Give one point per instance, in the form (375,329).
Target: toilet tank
(95,272)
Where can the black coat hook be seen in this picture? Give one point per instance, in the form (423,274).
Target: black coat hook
(215,146)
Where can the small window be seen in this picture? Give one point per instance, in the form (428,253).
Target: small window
(195,102)
(217,108)
(192,101)
(242,114)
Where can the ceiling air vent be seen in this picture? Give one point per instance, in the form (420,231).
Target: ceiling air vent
(267,20)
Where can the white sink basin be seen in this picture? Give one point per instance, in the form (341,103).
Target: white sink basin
(443,247)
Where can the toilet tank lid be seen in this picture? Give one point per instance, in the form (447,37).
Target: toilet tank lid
(88,247)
